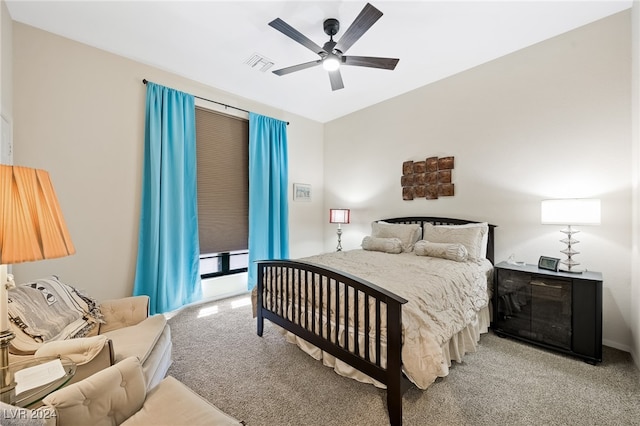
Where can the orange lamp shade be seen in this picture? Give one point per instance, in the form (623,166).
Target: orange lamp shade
(31,222)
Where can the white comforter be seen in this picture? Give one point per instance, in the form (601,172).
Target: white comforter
(444,297)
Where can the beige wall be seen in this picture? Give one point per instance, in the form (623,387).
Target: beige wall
(79,114)
(549,121)
(6,67)
(635,159)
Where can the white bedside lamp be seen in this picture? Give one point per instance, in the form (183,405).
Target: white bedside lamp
(575,211)
(339,216)
(31,228)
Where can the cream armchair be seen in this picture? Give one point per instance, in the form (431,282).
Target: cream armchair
(127,331)
(118,396)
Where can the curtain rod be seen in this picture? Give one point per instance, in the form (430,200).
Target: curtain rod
(144,81)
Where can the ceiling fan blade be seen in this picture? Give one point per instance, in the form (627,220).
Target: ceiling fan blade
(371,62)
(295,35)
(367,17)
(336,80)
(298,67)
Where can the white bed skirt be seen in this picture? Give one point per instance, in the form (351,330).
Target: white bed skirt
(464,342)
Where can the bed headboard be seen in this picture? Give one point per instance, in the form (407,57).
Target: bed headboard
(421,220)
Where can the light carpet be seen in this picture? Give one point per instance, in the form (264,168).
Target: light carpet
(267,381)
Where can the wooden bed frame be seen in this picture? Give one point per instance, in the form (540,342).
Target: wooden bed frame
(274,295)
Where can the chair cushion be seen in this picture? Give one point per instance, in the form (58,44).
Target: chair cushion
(173,403)
(157,364)
(137,340)
(48,309)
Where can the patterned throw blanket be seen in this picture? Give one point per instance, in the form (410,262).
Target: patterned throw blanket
(48,309)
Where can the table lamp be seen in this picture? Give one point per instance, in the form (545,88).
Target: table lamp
(339,216)
(31,228)
(576,211)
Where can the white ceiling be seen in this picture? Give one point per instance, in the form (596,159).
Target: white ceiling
(209,41)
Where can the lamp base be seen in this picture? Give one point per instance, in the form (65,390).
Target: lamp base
(569,262)
(7,384)
(572,271)
(570,265)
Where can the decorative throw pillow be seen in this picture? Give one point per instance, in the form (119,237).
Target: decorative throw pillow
(484,229)
(451,251)
(407,233)
(387,245)
(470,237)
(48,309)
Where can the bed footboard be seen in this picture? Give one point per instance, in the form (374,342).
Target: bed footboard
(348,317)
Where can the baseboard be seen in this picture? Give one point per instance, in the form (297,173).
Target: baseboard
(636,359)
(616,345)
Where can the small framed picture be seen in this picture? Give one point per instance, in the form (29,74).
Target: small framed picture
(301,192)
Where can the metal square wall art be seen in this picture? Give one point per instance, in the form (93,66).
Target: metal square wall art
(430,179)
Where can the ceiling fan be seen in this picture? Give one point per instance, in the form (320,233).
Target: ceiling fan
(332,54)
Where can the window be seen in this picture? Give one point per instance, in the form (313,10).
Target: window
(217,264)
(222,143)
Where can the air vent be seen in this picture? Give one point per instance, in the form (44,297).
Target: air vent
(259,62)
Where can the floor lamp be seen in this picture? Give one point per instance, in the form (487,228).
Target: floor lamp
(339,216)
(31,228)
(569,212)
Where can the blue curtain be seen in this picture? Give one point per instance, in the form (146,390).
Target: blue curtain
(167,269)
(268,204)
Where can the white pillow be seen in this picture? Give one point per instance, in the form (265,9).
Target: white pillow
(484,228)
(386,245)
(451,251)
(471,237)
(407,233)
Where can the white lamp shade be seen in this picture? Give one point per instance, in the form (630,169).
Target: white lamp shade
(576,211)
(339,215)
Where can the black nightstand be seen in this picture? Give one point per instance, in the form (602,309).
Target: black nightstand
(556,310)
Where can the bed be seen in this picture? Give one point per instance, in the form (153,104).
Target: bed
(414,298)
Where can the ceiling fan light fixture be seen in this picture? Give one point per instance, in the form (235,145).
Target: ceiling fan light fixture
(331,62)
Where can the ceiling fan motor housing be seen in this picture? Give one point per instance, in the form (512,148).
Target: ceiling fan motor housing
(331,27)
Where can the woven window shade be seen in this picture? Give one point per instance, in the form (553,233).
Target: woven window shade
(223,181)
